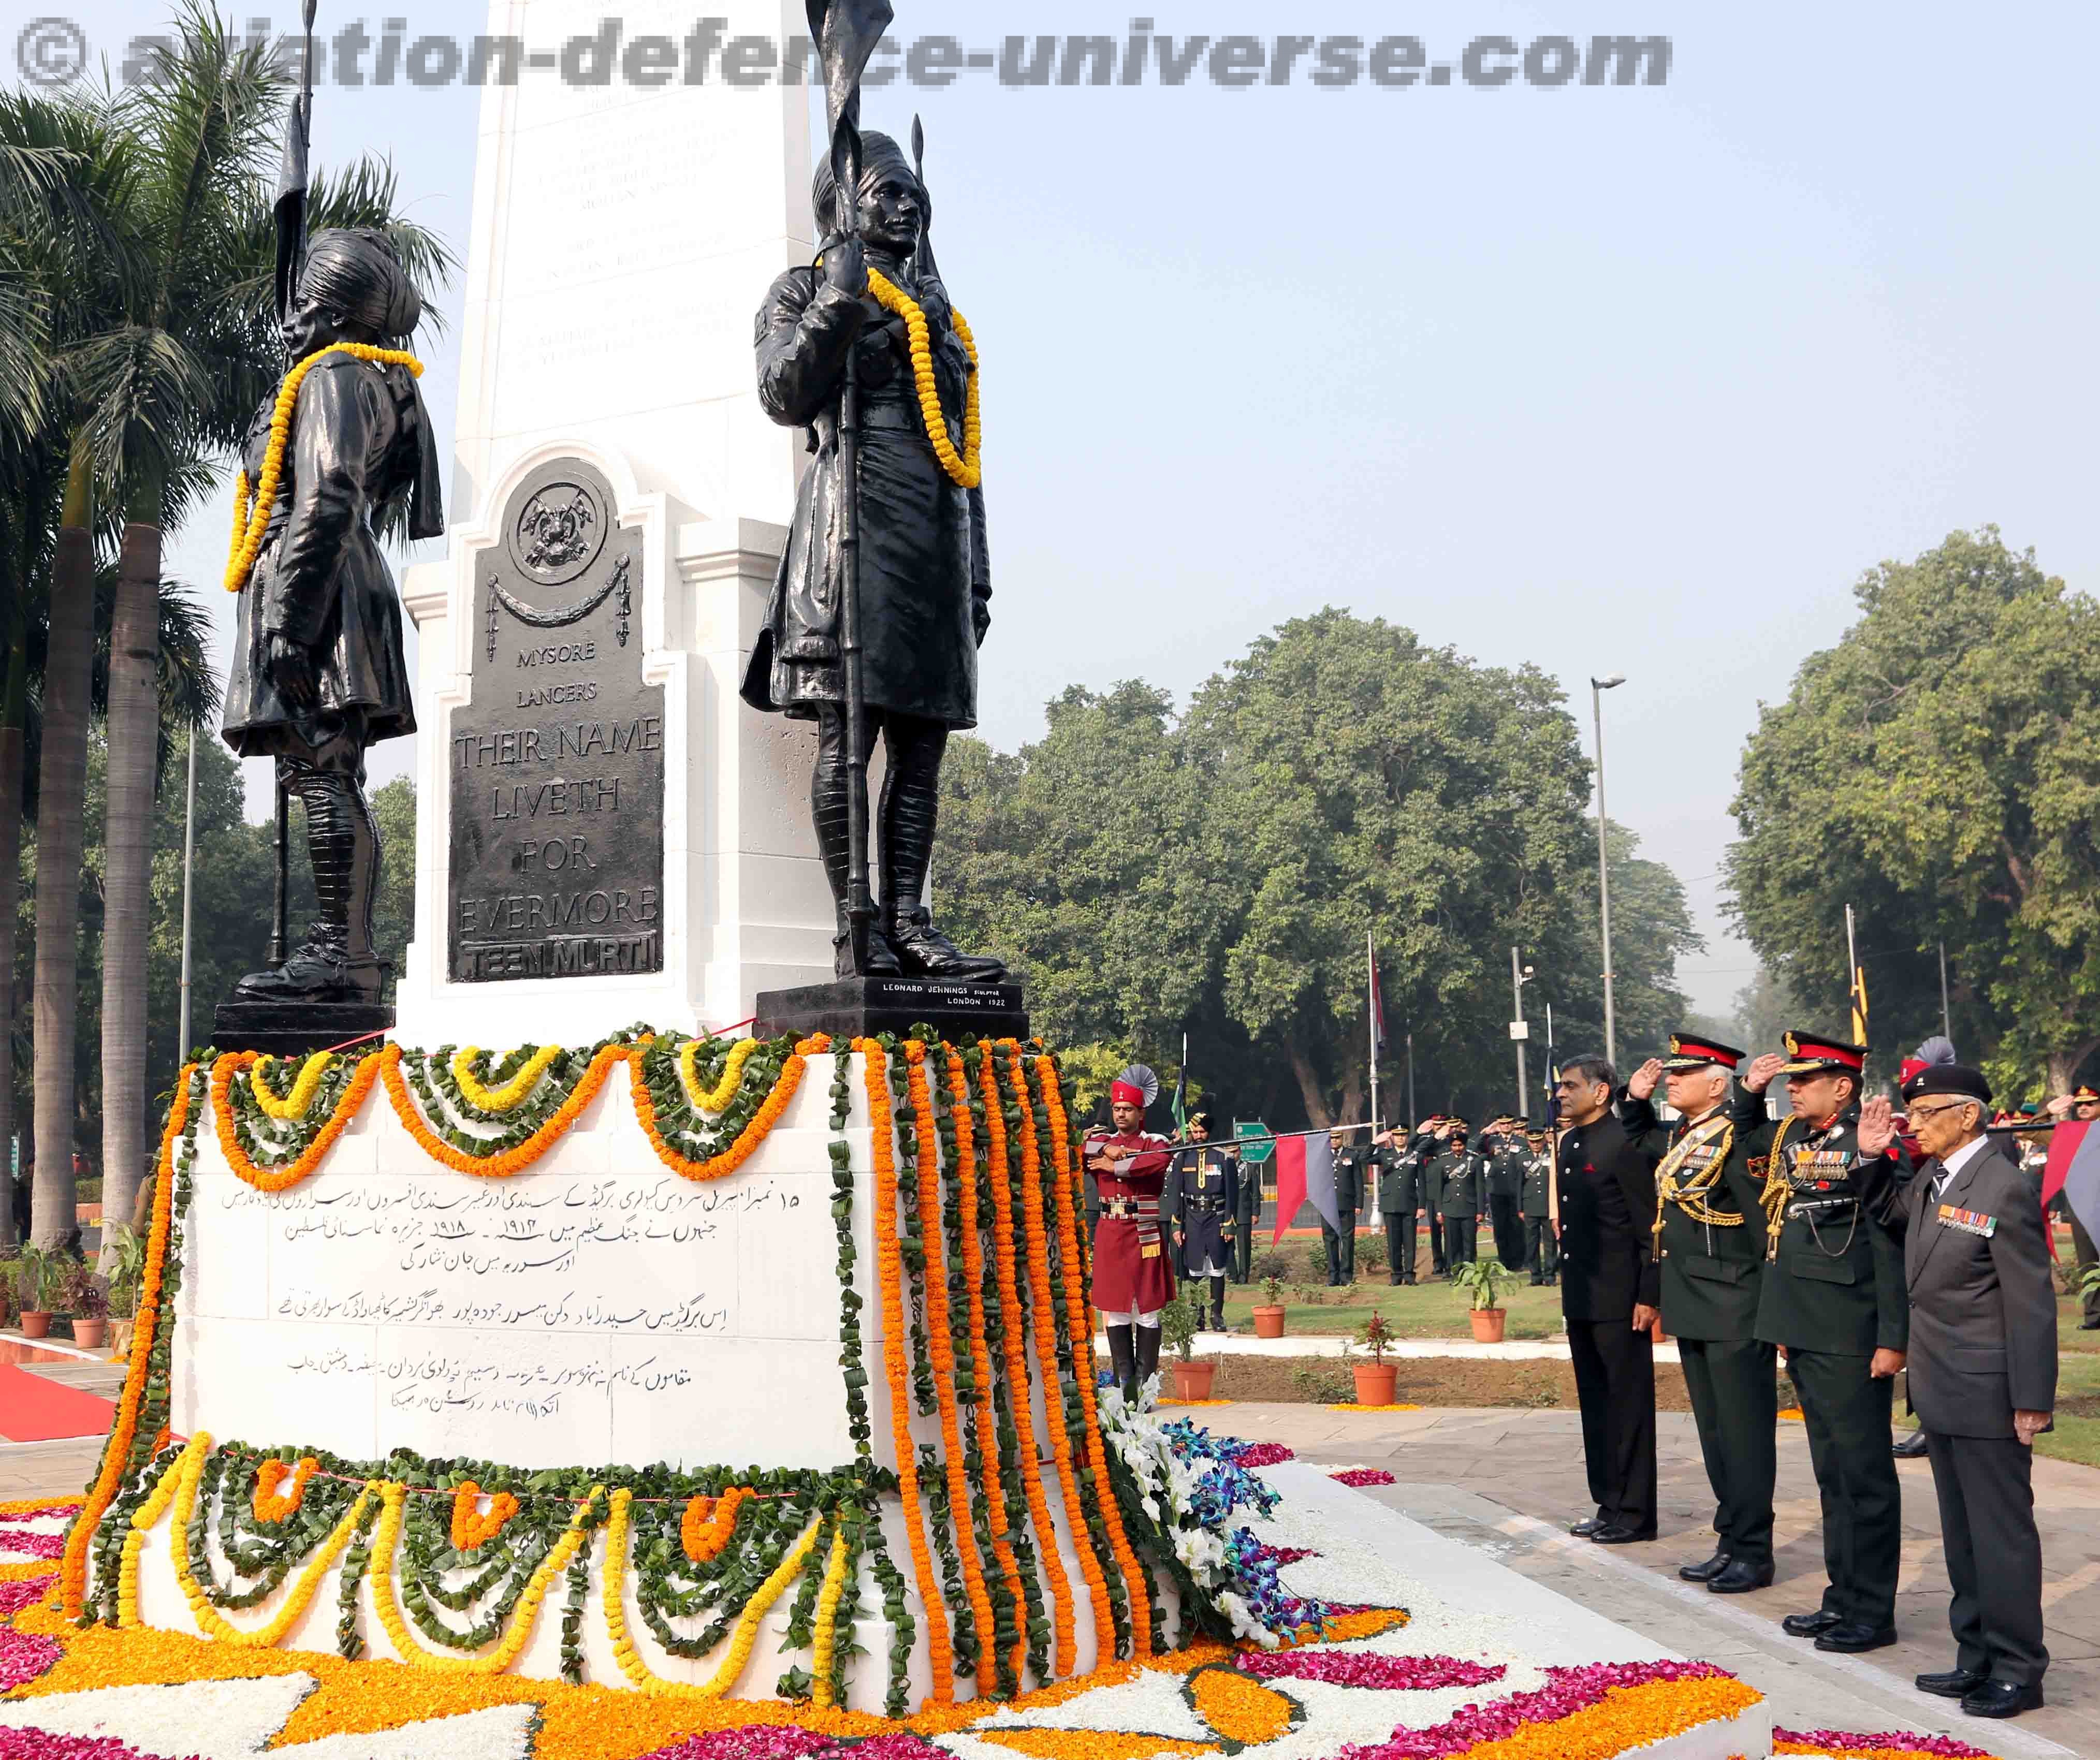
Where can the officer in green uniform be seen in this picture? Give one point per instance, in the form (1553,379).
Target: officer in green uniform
(1204,1178)
(1350,1157)
(1503,1153)
(1462,1197)
(1438,1131)
(1541,1250)
(1833,1298)
(1247,1206)
(1710,1238)
(1399,1197)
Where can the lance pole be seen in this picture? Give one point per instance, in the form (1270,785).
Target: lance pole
(860,904)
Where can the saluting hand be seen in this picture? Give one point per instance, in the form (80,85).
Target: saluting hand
(1878,1126)
(1642,1083)
(1759,1076)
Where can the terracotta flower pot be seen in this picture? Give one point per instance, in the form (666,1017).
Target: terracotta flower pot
(1374,1382)
(1268,1322)
(1192,1380)
(91,1335)
(1488,1323)
(35,1325)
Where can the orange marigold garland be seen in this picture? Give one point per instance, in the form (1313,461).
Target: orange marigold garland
(988,1424)
(510,1161)
(1080,1315)
(748,1139)
(1064,1657)
(235,1063)
(888,1260)
(941,1343)
(272,1502)
(472,1530)
(710,1524)
(117,1452)
(1046,1356)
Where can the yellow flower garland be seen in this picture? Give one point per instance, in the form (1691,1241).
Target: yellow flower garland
(824,1634)
(387,1536)
(248,528)
(715,1099)
(146,1516)
(742,1639)
(294,1105)
(967,470)
(514,1092)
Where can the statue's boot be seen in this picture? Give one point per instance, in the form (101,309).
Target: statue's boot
(336,962)
(1148,1353)
(910,805)
(1123,1362)
(831,810)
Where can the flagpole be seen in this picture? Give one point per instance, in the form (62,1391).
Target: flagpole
(1852,979)
(1413,1119)
(1370,1017)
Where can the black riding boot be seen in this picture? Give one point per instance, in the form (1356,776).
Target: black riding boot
(1148,1353)
(831,811)
(1123,1362)
(1218,1303)
(336,963)
(911,806)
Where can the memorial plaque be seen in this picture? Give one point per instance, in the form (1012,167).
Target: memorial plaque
(558,763)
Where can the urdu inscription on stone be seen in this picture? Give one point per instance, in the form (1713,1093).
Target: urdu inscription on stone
(557,761)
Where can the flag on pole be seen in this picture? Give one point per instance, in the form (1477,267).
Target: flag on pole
(1860,1006)
(2074,1169)
(845,32)
(1304,1169)
(1378,1014)
(1181,1091)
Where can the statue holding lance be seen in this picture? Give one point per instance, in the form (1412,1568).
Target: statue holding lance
(882,593)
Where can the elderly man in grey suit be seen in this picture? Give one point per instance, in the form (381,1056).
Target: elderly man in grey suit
(1982,1379)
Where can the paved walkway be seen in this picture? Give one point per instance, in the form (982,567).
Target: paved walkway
(1511,1481)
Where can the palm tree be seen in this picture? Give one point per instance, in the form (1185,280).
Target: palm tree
(184,351)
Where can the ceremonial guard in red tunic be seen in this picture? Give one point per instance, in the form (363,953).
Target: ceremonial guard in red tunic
(1132,1281)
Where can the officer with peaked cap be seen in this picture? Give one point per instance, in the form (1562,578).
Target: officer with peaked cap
(1982,1382)
(1132,1281)
(1709,1243)
(1831,1299)
(1204,1182)
(1541,1250)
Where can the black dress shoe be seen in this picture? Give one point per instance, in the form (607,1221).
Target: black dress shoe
(1583,1529)
(2090,1325)
(1910,1448)
(1706,1572)
(2002,1699)
(1740,1578)
(1848,1637)
(1956,1683)
(1810,1625)
(1619,1534)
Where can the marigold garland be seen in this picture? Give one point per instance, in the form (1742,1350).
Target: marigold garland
(888,1260)
(471,1529)
(941,1344)
(1064,1654)
(513,1093)
(282,1179)
(716,1098)
(271,1501)
(249,530)
(386,1538)
(966,470)
(742,1640)
(1046,1356)
(117,1452)
(1079,1319)
(752,1134)
(710,1524)
(823,1649)
(295,1104)
(994,1493)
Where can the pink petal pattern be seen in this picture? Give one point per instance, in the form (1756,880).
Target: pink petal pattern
(24,1656)
(1359,1668)
(1362,1476)
(26,1593)
(1901,1741)
(31,1544)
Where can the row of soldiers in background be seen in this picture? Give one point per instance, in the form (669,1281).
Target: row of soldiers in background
(1460,1183)
(1828,1241)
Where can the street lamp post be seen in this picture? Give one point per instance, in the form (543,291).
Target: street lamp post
(1597,687)
(1519,1031)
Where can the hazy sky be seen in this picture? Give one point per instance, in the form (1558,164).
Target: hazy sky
(1608,379)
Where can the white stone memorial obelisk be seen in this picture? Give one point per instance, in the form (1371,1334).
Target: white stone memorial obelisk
(626,225)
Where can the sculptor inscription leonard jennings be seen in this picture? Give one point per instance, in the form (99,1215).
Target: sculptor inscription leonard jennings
(558,762)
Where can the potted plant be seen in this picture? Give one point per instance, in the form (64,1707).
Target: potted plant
(1375,1379)
(1268,1315)
(1482,1281)
(1177,1329)
(35,1269)
(127,1276)
(87,1300)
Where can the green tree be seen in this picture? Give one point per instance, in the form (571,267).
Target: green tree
(1939,769)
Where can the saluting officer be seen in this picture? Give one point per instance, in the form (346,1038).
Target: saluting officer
(1541,1250)
(1432,1191)
(1710,1241)
(1462,1195)
(1350,1157)
(1831,1299)
(1204,1179)
(1503,1153)
(1399,1197)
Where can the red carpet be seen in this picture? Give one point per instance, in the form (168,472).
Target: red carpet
(33,1409)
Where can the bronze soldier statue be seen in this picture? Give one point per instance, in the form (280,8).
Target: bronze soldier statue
(318,672)
(924,581)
